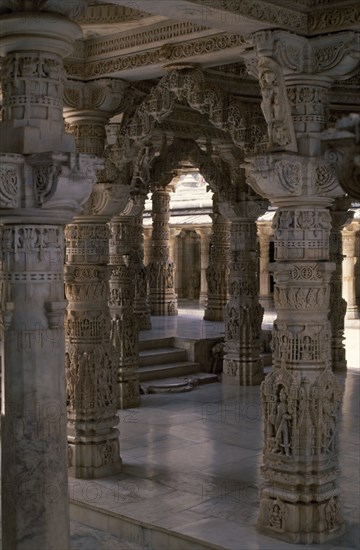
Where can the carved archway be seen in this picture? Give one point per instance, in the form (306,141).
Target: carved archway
(243,122)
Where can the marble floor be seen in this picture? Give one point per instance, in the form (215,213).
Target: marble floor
(191,461)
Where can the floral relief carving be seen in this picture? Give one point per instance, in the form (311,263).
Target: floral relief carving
(9,186)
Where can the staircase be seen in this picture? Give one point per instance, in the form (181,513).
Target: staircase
(163,367)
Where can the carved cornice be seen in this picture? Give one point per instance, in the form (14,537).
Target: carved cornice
(259,11)
(170,53)
(103,47)
(335,18)
(107,14)
(335,55)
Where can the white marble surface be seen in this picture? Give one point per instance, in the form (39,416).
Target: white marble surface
(192,460)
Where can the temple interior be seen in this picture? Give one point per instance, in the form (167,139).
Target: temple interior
(179,274)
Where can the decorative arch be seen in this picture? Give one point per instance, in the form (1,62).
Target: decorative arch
(216,174)
(243,122)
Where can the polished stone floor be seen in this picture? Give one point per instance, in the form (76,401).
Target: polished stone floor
(191,460)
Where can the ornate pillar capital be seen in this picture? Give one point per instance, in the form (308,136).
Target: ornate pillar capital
(246,210)
(284,177)
(342,151)
(295,73)
(100,98)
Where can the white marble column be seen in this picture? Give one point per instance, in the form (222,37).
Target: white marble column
(301,397)
(265,233)
(339,217)
(91,369)
(161,269)
(217,273)
(349,270)
(243,312)
(124,327)
(204,233)
(141,297)
(40,191)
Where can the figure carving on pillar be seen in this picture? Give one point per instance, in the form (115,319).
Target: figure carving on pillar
(301,396)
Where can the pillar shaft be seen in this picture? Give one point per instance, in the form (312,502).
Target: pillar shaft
(33,428)
(124,328)
(339,217)
(217,273)
(243,313)
(90,358)
(161,269)
(40,191)
(349,271)
(141,299)
(204,262)
(265,294)
(301,396)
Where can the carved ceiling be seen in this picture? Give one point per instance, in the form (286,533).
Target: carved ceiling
(135,41)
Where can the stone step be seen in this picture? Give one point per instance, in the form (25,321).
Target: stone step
(178,384)
(168,370)
(161,356)
(155,344)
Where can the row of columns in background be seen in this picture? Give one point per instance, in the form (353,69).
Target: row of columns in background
(201,255)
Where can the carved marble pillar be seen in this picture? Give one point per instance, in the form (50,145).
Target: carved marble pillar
(301,396)
(217,273)
(141,297)
(161,269)
(339,217)
(265,295)
(243,313)
(147,245)
(40,191)
(124,328)
(90,358)
(349,270)
(204,233)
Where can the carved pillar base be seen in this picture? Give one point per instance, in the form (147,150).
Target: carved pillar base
(352,313)
(96,451)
